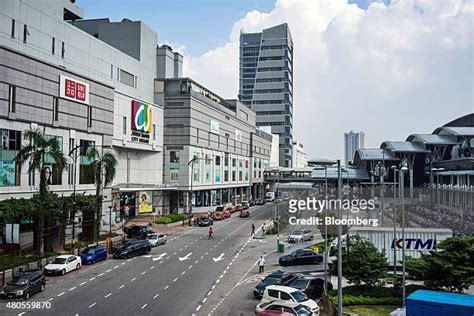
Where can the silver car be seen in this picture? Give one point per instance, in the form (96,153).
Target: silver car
(157,239)
(300,235)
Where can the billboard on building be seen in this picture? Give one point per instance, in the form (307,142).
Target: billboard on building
(145,202)
(73,89)
(141,117)
(127,204)
(7,173)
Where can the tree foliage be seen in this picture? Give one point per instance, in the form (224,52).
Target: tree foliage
(451,268)
(362,262)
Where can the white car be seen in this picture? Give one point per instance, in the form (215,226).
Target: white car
(290,307)
(63,264)
(156,239)
(286,293)
(300,235)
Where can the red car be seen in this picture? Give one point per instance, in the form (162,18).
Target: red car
(244,213)
(238,208)
(230,209)
(227,214)
(218,216)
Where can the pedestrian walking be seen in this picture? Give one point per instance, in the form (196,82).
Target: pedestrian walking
(261,264)
(253,230)
(210,233)
(263,229)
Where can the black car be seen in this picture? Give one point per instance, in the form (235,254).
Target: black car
(246,205)
(132,249)
(206,221)
(301,257)
(137,232)
(275,278)
(24,285)
(311,286)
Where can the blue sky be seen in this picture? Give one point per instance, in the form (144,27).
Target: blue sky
(199,25)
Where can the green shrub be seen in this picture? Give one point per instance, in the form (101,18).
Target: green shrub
(364,295)
(76,245)
(171,218)
(9,261)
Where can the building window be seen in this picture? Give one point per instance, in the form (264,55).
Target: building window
(124,123)
(63,50)
(86,175)
(89,116)
(13,28)
(55,109)
(53,46)
(12,99)
(233,176)
(127,78)
(25,33)
(72,168)
(174,157)
(112,71)
(154,132)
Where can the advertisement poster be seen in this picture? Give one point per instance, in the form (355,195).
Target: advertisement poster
(127,204)
(145,202)
(174,174)
(7,173)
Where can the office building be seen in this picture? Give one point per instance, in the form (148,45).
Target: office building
(266,83)
(352,142)
(300,158)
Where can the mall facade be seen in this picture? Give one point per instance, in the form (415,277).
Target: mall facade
(92,83)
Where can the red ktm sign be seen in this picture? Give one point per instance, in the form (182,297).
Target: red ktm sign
(73,89)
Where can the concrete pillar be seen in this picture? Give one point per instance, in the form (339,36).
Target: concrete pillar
(411,181)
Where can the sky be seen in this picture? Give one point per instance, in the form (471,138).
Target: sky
(388,68)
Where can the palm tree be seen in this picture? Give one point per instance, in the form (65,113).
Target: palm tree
(103,168)
(40,147)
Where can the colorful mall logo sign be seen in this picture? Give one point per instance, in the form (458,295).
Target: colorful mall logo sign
(73,89)
(142,123)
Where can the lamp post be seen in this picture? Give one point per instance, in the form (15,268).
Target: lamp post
(74,154)
(110,219)
(395,170)
(339,243)
(403,168)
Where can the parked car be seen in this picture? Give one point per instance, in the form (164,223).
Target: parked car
(301,257)
(246,205)
(274,313)
(92,254)
(132,249)
(252,202)
(218,216)
(275,278)
(206,221)
(300,235)
(286,293)
(227,214)
(237,208)
(138,231)
(63,264)
(286,307)
(244,213)
(311,286)
(157,239)
(24,285)
(261,202)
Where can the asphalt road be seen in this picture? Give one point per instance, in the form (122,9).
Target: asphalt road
(189,275)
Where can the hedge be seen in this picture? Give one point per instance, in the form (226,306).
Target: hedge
(362,295)
(9,261)
(171,218)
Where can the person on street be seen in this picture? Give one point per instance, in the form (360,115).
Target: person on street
(261,264)
(263,229)
(253,230)
(210,233)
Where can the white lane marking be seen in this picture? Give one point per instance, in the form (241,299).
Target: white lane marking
(108,270)
(116,267)
(121,286)
(190,266)
(185,257)
(209,293)
(144,306)
(92,279)
(154,297)
(101,274)
(143,272)
(166,287)
(198,308)
(107,295)
(60,294)
(50,299)
(175,279)
(71,289)
(182,273)
(133,279)
(212,288)
(83,283)
(122,263)
(21,313)
(92,305)
(217,281)
(204,300)
(152,267)
(196,261)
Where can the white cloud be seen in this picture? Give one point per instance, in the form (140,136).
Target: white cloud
(388,70)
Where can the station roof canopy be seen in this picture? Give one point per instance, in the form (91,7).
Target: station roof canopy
(321,162)
(432,139)
(404,147)
(348,173)
(374,154)
(288,169)
(456,131)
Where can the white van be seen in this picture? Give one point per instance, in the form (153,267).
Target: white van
(286,293)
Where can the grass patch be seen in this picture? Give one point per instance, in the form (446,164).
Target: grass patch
(371,310)
(171,218)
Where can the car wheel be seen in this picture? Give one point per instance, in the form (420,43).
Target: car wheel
(78,266)
(63,271)
(42,288)
(27,296)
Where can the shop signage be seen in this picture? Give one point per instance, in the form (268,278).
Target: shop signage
(142,123)
(73,89)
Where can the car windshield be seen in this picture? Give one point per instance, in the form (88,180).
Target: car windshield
(88,251)
(272,281)
(299,296)
(296,232)
(19,281)
(59,261)
(153,237)
(302,310)
(300,284)
(147,230)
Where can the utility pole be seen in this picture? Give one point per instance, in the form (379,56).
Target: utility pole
(339,243)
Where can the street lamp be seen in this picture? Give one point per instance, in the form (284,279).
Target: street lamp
(74,154)
(339,243)
(403,169)
(395,170)
(110,219)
